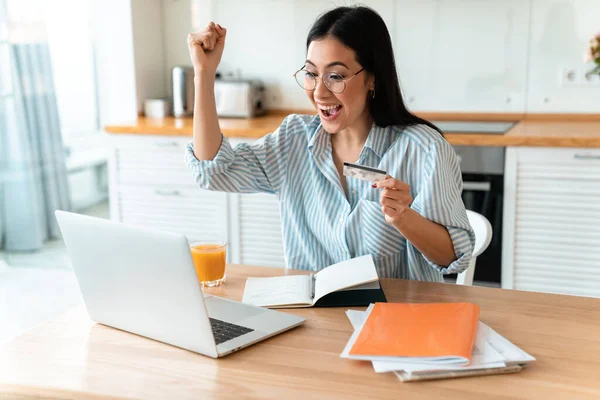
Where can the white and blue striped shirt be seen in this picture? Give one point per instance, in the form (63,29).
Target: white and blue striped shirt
(321,226)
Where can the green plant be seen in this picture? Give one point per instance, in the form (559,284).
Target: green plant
(593,53)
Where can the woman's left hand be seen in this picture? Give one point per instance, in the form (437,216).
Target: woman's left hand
(395,199)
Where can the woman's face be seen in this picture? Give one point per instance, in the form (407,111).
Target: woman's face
(344,110)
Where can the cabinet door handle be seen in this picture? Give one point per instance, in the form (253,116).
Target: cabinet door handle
(166,144)
(579,156)
(167,192)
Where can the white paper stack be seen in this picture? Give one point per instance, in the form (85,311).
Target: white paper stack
(492,354)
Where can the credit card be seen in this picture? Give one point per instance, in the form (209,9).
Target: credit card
(365,173)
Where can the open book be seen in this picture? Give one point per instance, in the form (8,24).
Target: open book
(348,283)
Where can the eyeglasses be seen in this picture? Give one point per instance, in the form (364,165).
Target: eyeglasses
(333,81)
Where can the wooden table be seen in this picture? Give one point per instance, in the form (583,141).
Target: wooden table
(72,357)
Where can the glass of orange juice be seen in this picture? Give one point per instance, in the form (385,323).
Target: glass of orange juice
(209,260)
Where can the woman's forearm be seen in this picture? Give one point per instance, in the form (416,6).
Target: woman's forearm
(207,132)
(431,239)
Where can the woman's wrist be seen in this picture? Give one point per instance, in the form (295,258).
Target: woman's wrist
(406,219)
(202,76)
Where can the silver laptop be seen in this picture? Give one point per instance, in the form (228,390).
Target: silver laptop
(143,281)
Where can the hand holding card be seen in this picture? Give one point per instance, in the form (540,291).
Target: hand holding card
(395,198)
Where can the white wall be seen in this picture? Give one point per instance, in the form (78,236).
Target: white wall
(130,58)
(560,34)
(73,77)
(149,50)
(452,55)
(462,54)
(111,26)
(177,17)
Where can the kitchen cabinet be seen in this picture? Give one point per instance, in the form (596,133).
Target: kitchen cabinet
(150,186)
(551,216)
(444,65)
(552,220)
(256,229)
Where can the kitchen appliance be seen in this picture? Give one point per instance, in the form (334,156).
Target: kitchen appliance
(475,127)
(156,108)
(238,98)
(483,188)
(483,191)
(183,91)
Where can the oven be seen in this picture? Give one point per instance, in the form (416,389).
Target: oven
(483,191)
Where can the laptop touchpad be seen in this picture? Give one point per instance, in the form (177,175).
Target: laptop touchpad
(230,311)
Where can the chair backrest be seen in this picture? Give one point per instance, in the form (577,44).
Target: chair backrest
(483,237)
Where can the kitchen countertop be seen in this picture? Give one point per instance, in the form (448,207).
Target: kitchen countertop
(539,130)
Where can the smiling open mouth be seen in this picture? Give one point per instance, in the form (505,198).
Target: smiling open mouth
(330,112)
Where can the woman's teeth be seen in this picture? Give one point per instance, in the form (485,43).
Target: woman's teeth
(331,111)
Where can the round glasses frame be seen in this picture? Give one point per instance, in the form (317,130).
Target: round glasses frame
(325,79)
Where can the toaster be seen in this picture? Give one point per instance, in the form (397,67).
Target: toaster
(239,98)
(234,98)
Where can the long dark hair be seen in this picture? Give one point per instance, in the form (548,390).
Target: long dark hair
(363,30)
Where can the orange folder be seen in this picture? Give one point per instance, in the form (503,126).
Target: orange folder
(423,331)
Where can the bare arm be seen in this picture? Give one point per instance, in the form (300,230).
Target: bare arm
(206,48)
(207,132)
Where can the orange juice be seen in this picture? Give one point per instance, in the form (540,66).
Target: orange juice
(209,261)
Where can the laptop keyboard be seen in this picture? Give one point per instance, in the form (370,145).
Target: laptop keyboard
(224,331)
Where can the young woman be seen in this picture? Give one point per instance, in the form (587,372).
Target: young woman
(413,222)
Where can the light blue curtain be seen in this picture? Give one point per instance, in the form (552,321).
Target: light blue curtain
(33,176)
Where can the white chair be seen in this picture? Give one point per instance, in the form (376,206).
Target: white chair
(483,237)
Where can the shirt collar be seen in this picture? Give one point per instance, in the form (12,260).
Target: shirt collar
(318,141)
(379,140)
(320,148)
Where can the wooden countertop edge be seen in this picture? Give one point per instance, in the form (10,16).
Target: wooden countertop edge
(133,127)
(521,141)
(538,117)
(517,136)
(452,138)
(251,133)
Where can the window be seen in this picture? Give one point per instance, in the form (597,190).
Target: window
(65,26)
(5,71)
(72,54)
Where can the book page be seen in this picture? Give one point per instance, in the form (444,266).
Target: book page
(343,275)
(510,352)
(406,376)
(365,286)
(278,291)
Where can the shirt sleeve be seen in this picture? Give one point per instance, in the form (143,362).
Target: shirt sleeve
(439,200)
(247,168)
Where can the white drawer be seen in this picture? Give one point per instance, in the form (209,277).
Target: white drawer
(151,142)
(162,143)
(554,156)
(144,166)
(194,212)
